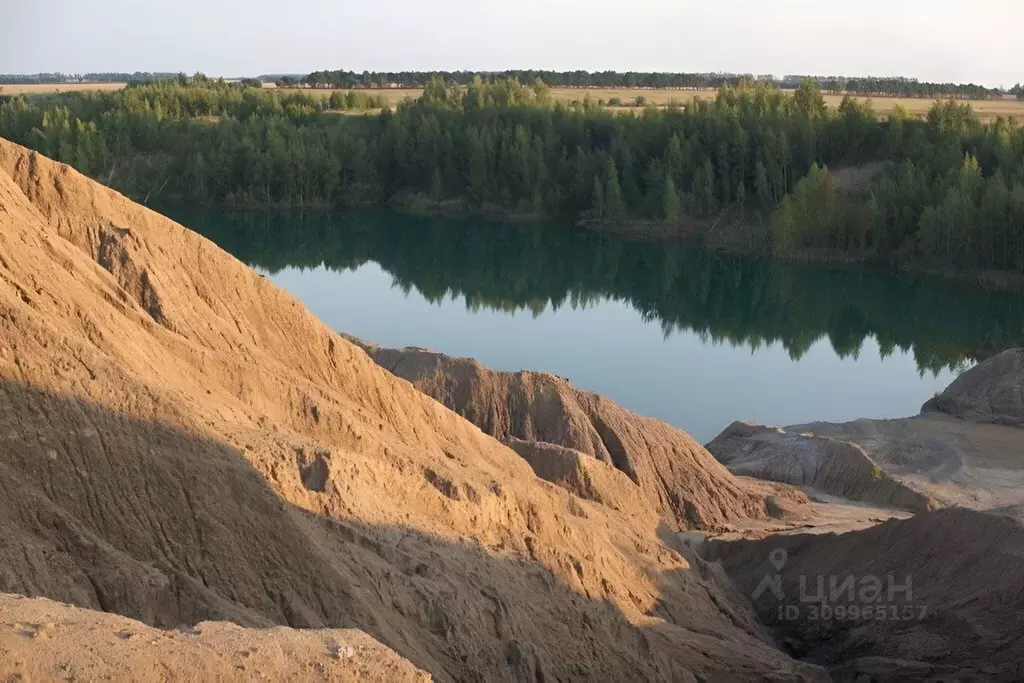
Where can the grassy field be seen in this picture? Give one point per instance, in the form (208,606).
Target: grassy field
(658,97)
(46,88)
(987,110)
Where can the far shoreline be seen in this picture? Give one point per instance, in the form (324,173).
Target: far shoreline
(689,233)
(699,234)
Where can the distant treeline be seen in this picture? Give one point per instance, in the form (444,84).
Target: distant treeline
(1018,90)
(898,87)
(895,87)
(102,77)
(748,168)
(863,86)
(556,79)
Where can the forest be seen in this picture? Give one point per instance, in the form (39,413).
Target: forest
(750,168)
(870,86)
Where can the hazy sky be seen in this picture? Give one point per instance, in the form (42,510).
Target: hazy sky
(958,40)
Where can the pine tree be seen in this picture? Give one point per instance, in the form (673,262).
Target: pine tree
(597,199)
(613,192)
(704,189)
(761,188)
(784,226)
(1016,226)
(995,208)
(671,204)
(477,166)
(674,160)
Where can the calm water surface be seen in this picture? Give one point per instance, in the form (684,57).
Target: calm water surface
(695,339)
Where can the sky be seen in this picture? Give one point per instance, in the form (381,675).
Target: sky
(937,40)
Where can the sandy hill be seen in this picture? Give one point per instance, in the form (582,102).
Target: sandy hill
(47,641)
(181,442)
(584,441)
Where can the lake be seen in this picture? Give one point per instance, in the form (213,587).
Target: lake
(696,339)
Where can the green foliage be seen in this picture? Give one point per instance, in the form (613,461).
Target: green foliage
(811,216)
(949,191)
(615,206)
(895,87)
(947,198)
(671,205)
(597,206)
(809,100)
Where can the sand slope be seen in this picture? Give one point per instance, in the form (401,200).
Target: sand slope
(180,442)
(42,641)
(674,473)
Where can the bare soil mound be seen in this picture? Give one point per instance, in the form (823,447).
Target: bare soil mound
(837,467)
(47,641)
(934,597)
(180,441)
(675,474)
(954,461)
(992,392)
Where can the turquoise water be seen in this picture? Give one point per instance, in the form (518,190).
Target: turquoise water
(695,339)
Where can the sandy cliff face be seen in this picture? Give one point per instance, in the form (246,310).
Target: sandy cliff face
(180,441)
(674,474)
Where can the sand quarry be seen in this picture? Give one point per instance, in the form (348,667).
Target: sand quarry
(201,481)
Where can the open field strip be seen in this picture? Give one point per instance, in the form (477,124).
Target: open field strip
(987,110)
